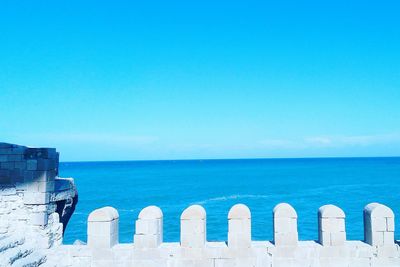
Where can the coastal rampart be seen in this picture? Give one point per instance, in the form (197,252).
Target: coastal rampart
(31,229)
(148,249)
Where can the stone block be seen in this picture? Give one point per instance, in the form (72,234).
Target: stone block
(237,225)
(103,254)
(40,187)
(378,224)
(332,225)
(41,164)
(146,241)
(239,240)
(7,165)
(38,218)
(193,226)
(123,252)
(388,238)
(45,186)
(103,241)
(389,225)
(282,225)
(376,239)
(35,153)
(338,239)
(36,198)
(324,238)
(193,240)
(388,251)
(39,176)
(14,157)
(144,226)
(102,228)
(286,239)
(20,165)
(31,165)
(3,158)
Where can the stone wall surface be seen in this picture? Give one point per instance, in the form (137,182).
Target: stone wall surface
(33,199)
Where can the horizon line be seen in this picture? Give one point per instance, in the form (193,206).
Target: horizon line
(221,159)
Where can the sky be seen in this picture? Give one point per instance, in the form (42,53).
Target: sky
(153,80)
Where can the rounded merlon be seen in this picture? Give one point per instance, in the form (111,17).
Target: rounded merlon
(239,211)
(194,212)
(105,214)
(377,210)
(331,211)
(151,213)
(284,210)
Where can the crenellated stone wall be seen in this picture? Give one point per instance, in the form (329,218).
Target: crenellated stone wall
(33,198)
(148,249)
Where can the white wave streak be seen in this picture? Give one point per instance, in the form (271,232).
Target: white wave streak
(231,197)
(126,210)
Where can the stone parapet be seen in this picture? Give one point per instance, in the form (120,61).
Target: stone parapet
(332,248)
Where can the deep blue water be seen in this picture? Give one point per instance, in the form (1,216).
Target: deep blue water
(307,184)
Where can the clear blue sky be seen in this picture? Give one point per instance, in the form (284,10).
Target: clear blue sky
(110,80)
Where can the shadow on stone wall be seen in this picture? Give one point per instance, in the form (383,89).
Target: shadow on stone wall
(33,172)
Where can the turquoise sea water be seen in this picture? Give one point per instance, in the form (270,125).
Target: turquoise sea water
(307,184)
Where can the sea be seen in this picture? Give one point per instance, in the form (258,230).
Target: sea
(217,185)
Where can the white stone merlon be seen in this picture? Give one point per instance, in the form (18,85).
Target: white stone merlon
(193,227)
(378,225)
(102,229)
(239,227)
(149,228)
(285,225)
(331,226)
